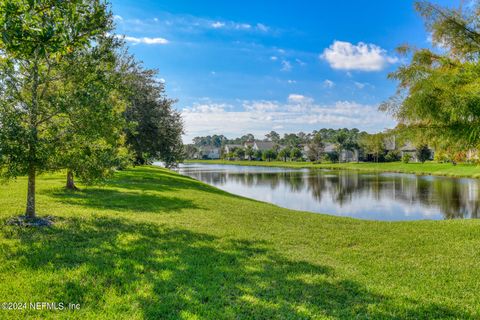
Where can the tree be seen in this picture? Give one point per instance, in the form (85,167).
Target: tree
(423,153)
(341,141)
(273,136)
(269,155)
(90,88)
(284,153)
(155,130)
(296,154)
(374,145)
(258,155)
(249,152)
(240,153)
(190,151)
(35,37)
(315,148)
(437,95)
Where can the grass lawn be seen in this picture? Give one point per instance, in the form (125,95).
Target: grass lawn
(151,244)
(427,168)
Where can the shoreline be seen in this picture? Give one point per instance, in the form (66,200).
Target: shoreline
(426,169)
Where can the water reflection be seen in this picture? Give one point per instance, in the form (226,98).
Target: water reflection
(378,196)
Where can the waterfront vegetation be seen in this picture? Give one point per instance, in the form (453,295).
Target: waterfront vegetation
(154,244)
(427,168)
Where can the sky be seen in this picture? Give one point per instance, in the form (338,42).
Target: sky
(249,66)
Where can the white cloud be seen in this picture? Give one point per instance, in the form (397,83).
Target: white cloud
(262,27)
(244,26)
(207,108)
(361,85)
(328,83)
(274,58)
(286,65)
(365,57)
(298,113)
(145,40)
(299,99)
(218,24)
(291,81)
(118,18)
(260,106)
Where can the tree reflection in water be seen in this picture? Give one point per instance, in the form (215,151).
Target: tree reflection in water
(406,193)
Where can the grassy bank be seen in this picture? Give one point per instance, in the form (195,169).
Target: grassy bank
(151,244)
(427,168)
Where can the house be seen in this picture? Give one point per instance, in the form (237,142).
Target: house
(208,152)
(231,147)
(263,145)
(407,148)
(344,155)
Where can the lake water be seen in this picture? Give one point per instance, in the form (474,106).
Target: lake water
(374,196)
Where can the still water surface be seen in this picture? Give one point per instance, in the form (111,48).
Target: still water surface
(374,196)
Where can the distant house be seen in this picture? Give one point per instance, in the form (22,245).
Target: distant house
(344,155)
(407,148)
(208,152)
(262,145)
(231,147)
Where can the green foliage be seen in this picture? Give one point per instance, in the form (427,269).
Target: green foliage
(374,144)
(36,39)
(156,127)
(438,93)
(284,153)
(269,155)
(315,148)
(423,153)
(406,158)
(392,156)
(249,152)
(92,93)
(296,154)
(239,153)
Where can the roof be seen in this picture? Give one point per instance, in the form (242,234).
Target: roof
(408,147)
(264,145)
(330,147)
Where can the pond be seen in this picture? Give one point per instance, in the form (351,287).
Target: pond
(373,196)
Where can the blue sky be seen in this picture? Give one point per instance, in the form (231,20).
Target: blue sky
(241,67)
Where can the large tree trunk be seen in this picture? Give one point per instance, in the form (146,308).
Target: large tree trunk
(70,181)
(30,212)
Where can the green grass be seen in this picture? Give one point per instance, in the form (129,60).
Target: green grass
(152,244)
(427,168)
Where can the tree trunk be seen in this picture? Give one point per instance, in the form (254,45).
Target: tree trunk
(30,212)
(70,181)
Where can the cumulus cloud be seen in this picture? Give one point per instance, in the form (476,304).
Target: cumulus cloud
(146,40)
(297,113)
(364,57)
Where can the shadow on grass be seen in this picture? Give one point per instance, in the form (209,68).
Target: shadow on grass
(110,199)
(140,189)
(164,273)
(157,179)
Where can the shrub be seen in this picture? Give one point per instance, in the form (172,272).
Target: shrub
(392,156)
(406,158)
(423,153)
